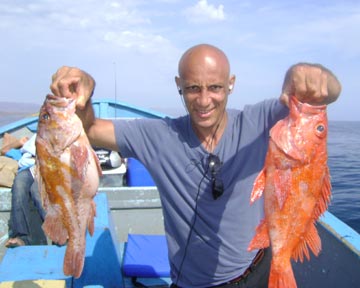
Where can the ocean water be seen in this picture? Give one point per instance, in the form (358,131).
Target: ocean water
(344,164)
(343,161)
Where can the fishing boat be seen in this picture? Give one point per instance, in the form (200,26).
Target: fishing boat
(130,205)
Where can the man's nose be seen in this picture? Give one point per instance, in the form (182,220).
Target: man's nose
(204,97)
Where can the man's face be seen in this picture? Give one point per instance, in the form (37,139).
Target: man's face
(205,87)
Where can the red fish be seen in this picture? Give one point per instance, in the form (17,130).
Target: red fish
(295,183)
(68,172)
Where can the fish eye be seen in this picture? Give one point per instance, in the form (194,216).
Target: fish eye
(320,128)
(45,116)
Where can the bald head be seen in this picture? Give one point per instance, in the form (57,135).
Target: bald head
(204,82)
(203,54)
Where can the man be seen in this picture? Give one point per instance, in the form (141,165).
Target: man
(11,142)
(204,164)
(24,190)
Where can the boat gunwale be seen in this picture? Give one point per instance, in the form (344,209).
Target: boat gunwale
(11,127)
(341,231)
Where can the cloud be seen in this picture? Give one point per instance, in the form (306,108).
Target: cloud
(54,24)
(306,29)
(204,12)
(144,42)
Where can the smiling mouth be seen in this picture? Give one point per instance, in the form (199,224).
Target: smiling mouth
(204,113)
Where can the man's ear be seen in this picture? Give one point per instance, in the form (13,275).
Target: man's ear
(231,83)
(178,84)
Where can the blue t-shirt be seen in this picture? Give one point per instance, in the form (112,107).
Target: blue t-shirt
(173,154)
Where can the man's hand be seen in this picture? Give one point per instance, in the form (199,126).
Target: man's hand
(71,82)
(310,83)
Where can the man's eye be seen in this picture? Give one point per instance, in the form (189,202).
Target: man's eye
(193,89)
(215,88)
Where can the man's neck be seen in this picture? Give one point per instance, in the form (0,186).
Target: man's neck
(210,137)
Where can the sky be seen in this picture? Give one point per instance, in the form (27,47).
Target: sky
(132,47)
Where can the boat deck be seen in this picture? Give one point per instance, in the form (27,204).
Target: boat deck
(138,211)
(104,251)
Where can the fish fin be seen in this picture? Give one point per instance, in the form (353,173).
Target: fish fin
(41,149)
(324,200)
(96,159)
(79,158)
(54,227)
(261,238)
(74,259)
(259,186)
(282,186)
(311,240)
(92,212)
(281,277)
(42,190)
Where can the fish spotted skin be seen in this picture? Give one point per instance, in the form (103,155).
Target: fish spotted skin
(68,173)
(295,184)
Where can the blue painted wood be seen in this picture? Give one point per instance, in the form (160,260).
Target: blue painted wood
(34,262)
(107,108)
(341,231)
(18,124)
(102,257)
(103,108)
(102,261)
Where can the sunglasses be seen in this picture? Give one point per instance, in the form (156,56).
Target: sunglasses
(217,184)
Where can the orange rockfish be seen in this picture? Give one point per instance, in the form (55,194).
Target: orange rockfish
(68,173)
(295,182)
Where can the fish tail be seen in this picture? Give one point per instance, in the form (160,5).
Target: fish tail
(74,259)
(281,277)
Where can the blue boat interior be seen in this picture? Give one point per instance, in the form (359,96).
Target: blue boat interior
(107,263)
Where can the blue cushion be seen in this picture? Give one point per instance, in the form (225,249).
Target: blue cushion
(14,154)
(146,256)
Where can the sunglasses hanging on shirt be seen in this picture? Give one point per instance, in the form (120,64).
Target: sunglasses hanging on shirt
(217,184)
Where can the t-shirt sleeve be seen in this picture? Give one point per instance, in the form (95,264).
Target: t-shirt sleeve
(140,138)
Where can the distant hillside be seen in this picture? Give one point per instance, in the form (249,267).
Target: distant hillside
(11,111)
(10,107)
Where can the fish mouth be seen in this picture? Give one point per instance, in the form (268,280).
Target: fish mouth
(58,101)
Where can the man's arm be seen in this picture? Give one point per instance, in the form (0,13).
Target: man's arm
(310,83)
